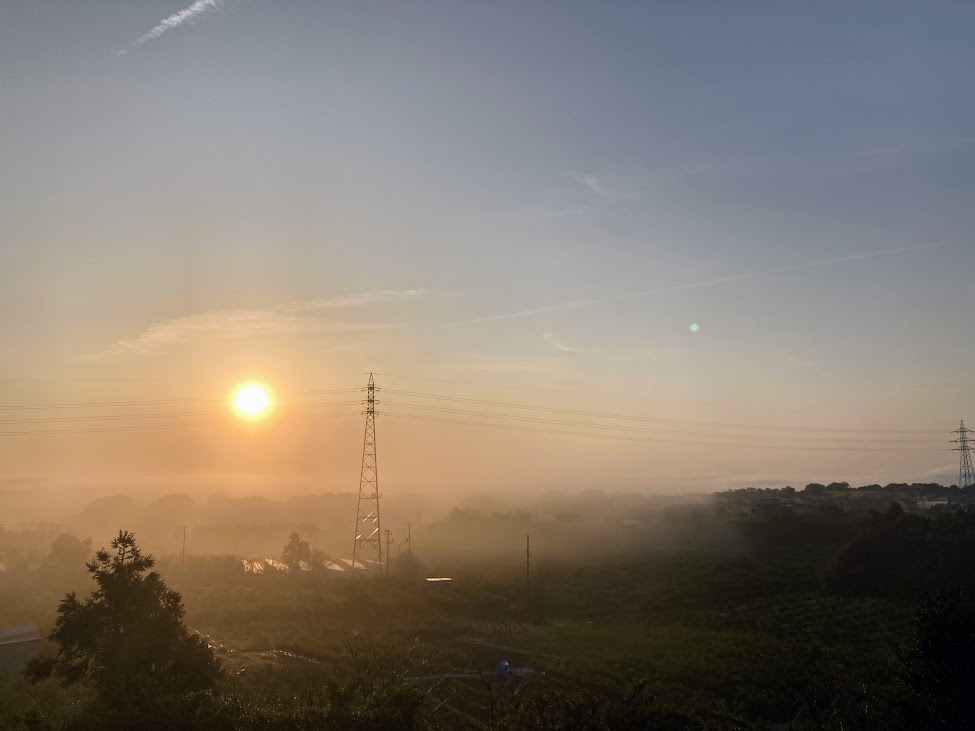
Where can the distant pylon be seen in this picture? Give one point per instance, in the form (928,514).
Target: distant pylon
(966,473)
(368,548)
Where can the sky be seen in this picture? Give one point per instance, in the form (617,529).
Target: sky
(746,225)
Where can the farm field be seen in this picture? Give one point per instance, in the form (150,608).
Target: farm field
(697,627)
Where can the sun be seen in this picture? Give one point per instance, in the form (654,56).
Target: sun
(252,401)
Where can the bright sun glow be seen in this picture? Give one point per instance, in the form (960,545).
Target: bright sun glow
(252,401)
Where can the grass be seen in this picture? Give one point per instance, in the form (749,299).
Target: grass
(701,625)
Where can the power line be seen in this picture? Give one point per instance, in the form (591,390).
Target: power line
(614,427)
(500,386)
(158,414)
(107,404)
(554,422)
(152,427)
(505,404)
(458,399)
(619,437)
(144,427)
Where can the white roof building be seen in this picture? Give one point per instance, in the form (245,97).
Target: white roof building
(17,646)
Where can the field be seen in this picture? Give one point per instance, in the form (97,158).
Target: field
(701,628)
(697,621)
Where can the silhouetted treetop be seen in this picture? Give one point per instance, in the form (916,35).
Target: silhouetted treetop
(127,640)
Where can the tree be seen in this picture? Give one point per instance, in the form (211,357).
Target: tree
(296,551)
(68,553)
(127,641)
(814,488)
(407,567)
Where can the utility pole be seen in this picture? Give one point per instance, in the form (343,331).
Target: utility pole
(409,535)
(368,541)
(389,541)
(528,563)
(184,553)
(966,473)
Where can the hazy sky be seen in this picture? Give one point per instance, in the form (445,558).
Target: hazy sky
(532,202)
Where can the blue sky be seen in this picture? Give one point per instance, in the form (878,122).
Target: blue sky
(439,179)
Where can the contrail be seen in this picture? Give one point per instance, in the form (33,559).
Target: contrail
(702,284)
(175,20)
(779,270)
(528,313)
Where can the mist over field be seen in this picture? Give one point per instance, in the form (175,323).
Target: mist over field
(256,525)
(579,592)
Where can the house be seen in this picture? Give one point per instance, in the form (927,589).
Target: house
(17,646)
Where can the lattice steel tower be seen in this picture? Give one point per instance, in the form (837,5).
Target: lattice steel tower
(966,474)
(368,549)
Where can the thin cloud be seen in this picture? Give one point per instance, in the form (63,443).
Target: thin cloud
(781,270)
(607,188)
(601,193)
(527,313)
(287,318)
(347,300)
(702,284)
(555,343)
(175,20)
(594,184)
(513,367)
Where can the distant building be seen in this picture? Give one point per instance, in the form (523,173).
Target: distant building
(17,646)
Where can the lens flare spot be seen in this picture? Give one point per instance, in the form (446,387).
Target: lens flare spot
(695,327)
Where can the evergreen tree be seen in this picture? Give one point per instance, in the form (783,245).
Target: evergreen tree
(296,551)
(128,643)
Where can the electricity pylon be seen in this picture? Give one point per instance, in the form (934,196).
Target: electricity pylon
(368,548)
(966,474)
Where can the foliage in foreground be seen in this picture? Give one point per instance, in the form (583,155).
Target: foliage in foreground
(128,644)
(293,697)
(899,554)
(722,641)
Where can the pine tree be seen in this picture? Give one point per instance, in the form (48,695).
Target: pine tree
(296,551)
(127,641)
